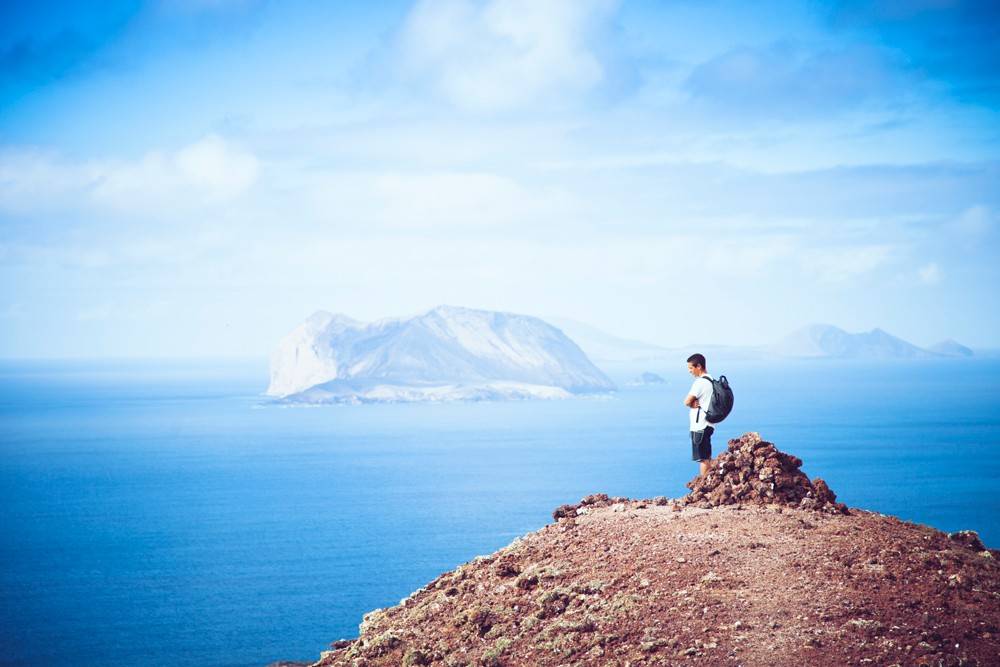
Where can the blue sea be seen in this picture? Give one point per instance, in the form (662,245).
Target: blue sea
(165,514)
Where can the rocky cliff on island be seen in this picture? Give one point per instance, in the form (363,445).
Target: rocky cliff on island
(445,354)
(758,565)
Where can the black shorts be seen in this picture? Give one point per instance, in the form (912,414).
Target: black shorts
(701,444)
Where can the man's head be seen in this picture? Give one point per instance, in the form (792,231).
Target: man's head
(696,365)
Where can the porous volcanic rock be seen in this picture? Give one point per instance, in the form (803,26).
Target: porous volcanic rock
(622,582)
(754,471)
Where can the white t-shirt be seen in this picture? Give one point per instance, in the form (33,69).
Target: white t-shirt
(701,389)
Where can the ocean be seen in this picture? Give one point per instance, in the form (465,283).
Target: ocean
(166,514)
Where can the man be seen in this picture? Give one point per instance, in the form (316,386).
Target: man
(699,399)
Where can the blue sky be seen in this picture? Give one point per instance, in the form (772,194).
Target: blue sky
(195,177)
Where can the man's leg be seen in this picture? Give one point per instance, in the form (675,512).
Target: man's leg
(701,449)
(706,450)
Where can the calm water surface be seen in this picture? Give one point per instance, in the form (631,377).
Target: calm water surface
(164,515)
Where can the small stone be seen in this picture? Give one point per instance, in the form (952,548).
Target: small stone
(711,578)
(866,626)
(564,511)
(652,646)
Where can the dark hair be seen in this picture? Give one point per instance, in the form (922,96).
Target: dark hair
(697,360)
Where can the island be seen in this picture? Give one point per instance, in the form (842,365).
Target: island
(448,353)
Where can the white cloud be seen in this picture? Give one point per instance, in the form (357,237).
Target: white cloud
(974,222)
(841,264)
(207,172)
(468,199)
(365,203)
(504,53)
(215,166)
(37,180)
(930,274)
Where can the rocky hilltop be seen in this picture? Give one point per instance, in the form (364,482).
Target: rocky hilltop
(758,565)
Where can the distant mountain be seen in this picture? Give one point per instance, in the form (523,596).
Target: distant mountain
(602,346)
(951,348)
(816,341)
(447,353)
(825,340)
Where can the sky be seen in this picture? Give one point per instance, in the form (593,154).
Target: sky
(193,178)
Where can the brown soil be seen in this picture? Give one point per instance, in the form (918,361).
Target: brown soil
(659,582)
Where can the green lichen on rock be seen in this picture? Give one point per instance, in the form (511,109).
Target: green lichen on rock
(589,588)
(554,602)
(383,644)
(416,656)
(480,619)
(492,656)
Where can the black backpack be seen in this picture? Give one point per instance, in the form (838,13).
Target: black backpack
(722,400)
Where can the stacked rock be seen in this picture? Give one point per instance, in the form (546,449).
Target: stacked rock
(753,471)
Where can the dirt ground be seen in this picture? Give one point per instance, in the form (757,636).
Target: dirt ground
(758,565)
(635,583)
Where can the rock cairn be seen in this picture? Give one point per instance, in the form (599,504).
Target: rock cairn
(753,471)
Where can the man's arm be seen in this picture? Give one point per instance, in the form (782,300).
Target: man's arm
(691,400)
